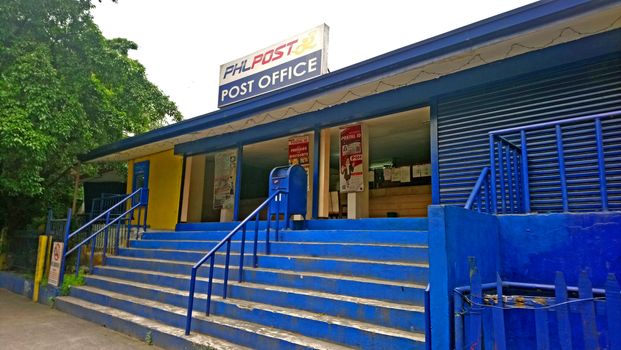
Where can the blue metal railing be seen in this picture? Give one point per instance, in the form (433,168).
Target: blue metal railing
(480,198)
(132,202)
(277,197)
(507,188)
(481,311)
(104,201)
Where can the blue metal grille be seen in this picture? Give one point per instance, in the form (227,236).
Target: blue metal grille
(465,120)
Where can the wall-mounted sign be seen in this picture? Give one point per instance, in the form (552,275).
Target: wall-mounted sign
(291,61)
(350,160)
(57,253)
(224,179)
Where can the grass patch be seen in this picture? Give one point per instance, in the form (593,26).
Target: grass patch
(71,280)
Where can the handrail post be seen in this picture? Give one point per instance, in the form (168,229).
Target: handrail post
(277,199)
(105,240)
(267,229)
(91,263)
(188,320)
(210,283)
(501,175)
(492,169)
(146,207)
(516,178)
(65,242)
(241,254)
(509,177)
(117,237)
(255,263)
(524,163)
(561,166)
(601,163)
(226,269)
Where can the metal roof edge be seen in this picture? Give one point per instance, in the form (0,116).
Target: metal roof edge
(498,26)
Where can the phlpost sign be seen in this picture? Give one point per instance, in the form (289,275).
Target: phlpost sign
(288,62)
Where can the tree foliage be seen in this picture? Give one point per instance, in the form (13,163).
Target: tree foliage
(64,89)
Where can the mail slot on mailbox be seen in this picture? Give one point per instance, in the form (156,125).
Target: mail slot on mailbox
(291,179)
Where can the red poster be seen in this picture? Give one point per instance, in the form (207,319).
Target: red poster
(351,167)
(298,151)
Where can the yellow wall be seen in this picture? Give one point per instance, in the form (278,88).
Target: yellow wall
(164,188)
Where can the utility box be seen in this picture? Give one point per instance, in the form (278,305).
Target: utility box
(293,180)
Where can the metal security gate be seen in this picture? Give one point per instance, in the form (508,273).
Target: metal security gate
(465,120)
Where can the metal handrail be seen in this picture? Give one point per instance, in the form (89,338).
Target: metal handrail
(108,223)
(92,221)
(481,185)
(276,197)
(509,172)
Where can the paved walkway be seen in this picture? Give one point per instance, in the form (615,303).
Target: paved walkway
(26,325)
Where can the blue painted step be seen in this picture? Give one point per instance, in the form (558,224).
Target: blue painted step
(361,236)
(333,224)
(401,292)
(405,317)
(382,252)
(349,333)
(235,331)
(164,336)
(393,271)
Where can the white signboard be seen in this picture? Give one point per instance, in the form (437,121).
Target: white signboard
(288,62)
(57,253)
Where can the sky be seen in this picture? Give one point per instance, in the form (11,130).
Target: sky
(182,43)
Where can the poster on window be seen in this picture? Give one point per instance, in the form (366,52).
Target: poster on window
(298,151)
(224,179)
(350,160)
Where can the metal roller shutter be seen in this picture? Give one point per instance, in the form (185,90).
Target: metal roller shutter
(464,121)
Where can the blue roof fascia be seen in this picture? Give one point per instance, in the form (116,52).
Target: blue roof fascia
(479,32)
(414,96)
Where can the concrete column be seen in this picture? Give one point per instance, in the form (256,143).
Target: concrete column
(186,190)
(196,188)
(358,202)
(324,174)
(226,215)
(309,189)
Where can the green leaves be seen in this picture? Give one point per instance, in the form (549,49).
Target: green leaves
(64,90)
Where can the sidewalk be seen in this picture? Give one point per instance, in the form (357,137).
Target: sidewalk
(26,325)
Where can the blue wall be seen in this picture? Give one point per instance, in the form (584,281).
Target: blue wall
(533,247)
(523,248)
(19,284)
(454,235)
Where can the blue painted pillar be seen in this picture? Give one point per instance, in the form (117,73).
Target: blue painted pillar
(440,306)
(435,159)
(238,181)
(316,143)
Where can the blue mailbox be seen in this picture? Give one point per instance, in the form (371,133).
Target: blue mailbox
(293,180)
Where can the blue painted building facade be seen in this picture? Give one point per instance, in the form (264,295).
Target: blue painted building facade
(546,62)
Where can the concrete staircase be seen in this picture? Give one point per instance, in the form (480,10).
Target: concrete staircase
(339,284)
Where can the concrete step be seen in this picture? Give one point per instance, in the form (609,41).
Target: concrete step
(332,224)
(381,252)
(343,236)
(162,335)
(399,316)
(234,331)
(315,325)
(394,271)
(410,292)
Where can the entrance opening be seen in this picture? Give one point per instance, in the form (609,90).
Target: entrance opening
(399,170)
(259,159)
(198,190)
